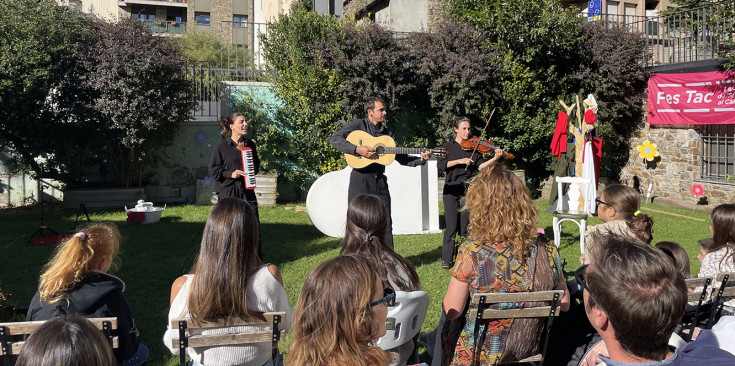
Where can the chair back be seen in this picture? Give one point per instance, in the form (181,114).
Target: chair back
(696,292)
(574,194)
(481,310)
(725,292)
(405,319)
(11,348)
(190,329)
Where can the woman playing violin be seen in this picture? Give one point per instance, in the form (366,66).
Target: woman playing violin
(459,165)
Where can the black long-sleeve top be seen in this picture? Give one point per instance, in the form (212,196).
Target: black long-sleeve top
(339,141)
(226,158)
(457,174)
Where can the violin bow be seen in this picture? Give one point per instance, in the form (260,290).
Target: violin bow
(481,134)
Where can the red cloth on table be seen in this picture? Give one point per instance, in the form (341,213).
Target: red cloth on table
(559,141)
(135,216)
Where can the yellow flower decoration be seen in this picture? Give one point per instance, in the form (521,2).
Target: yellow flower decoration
(647,150)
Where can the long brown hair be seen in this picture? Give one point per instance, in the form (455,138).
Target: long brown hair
(77,256)
(723,228)
(626,202)
(333,323)
(501,210)
(365,233)
(228,257)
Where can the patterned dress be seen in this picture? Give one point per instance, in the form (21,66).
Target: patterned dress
(491,268)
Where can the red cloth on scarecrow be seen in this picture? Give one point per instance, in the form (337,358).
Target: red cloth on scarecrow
(559,141)
(597,157)
(589,117)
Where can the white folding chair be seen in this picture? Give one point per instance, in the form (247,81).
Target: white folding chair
(572,212)
(405,319)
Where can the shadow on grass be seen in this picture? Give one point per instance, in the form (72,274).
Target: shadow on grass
(427,257)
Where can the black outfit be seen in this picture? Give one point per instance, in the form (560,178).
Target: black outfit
(227,158)
(97,295)
(370,179)
(455,188)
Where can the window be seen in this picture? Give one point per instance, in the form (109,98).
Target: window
(201,18)
(239,20)
(144,17)
(718,151)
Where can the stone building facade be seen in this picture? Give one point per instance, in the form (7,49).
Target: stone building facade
(398,15)
(677,168)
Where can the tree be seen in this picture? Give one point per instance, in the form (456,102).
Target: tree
(39,75)
(141,95)
(83,94)
(535,45)
(202,46)
(610,66)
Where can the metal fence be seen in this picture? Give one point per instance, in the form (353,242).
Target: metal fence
(692,35)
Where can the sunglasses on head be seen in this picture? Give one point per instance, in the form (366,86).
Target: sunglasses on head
(389,298)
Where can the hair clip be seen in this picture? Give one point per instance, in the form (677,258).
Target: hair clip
(636,213)
(81,235)
(369,237)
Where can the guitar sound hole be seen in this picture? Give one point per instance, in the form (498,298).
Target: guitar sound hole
(379,149)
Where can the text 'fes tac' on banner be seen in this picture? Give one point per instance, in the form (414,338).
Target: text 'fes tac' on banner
(695,98)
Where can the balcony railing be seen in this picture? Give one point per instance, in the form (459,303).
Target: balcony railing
(166,27)
(694,35)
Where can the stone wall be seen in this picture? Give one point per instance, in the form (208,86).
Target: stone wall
(676,168)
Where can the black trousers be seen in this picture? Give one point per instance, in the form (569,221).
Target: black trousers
(372,183)
(456,221)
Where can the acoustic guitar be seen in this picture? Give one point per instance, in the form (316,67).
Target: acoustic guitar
(385,150)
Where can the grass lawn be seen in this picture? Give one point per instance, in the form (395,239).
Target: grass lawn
(154,255)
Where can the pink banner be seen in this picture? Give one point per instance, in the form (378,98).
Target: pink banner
(696,98)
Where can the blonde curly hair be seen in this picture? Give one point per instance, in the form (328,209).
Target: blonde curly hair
(501,210)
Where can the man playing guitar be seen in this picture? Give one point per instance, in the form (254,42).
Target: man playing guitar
(371,179)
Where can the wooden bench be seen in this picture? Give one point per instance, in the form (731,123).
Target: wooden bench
(15,329)
(481,310)
(187,326)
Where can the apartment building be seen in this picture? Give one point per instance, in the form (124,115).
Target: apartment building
(229,18)
(623,8)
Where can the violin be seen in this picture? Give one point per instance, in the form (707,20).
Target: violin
(482,147)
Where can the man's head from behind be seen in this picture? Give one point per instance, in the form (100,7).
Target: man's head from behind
(634,293)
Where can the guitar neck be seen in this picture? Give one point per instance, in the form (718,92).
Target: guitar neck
(403,150)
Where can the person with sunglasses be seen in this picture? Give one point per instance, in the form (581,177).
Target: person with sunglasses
(341,311)
(634,298)
(365,231)
(504,253)
(619,209)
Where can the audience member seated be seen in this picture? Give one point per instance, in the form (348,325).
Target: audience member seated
(229,281)
(718,255)
(341,311)
(75,280)
(619,208)
(721,335)
(365,230)
(504,253)
(66,340)
(678,255)
(634,297)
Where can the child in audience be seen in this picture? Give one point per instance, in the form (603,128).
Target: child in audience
(66,340)
(75,280)
(678,254)
(365,233)
(619,208)
(341,311)
(718,255)
(229,281)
